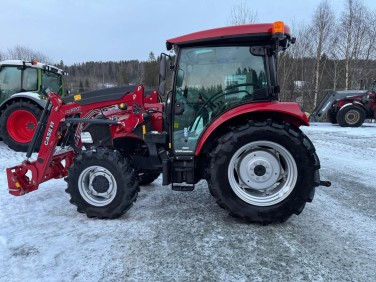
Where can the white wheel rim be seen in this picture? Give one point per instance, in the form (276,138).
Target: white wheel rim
(262,173)
(93,194)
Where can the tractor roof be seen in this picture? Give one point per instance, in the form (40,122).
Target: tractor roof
(33,64)
(230,34)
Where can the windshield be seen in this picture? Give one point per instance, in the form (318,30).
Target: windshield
(52,81)
(211,80)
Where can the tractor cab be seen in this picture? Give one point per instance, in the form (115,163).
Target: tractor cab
(211,81)
(17,76)
(220,76)
(218,70)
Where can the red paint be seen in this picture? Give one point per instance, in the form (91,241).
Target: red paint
(289,110)
(359,101)
(55,165)
(21,126)
(227,32)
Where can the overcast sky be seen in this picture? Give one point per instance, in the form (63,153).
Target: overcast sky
(100,30)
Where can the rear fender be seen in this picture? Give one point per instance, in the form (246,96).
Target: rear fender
(353,103)
(286,111)
(35,97)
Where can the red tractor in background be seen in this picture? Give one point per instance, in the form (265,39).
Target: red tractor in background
(221,122)
(348,108)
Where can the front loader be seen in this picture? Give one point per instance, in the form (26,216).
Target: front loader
(221,122)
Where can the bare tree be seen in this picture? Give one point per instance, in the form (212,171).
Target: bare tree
(322,24)
(242,14)
(353,31)
(28,54)
(292,71)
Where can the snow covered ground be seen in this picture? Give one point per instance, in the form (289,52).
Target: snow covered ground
(185,236)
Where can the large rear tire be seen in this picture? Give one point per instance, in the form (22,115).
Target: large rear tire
(102,183)
(351,116)
(263,172)
(18,123)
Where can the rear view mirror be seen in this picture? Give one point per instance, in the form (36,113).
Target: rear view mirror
(162,68)
(162,75)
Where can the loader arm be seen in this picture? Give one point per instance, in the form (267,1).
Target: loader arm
(52,163)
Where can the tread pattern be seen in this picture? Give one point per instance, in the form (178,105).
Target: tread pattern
(296,201)
(124,173)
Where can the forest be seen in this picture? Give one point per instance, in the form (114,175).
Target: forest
(331,52)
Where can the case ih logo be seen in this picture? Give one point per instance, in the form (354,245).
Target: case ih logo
(49,131)
(73,110)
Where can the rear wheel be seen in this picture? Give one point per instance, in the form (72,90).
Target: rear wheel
(102,183)
(18,123)
(263,172)
(351,116)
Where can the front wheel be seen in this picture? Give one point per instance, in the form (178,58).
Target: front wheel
(102,183)
(264,172)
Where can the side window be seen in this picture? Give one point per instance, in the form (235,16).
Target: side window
(215,80)
(10,79)
(52,81)
(30,79)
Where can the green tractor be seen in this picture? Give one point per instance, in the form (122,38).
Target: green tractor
(21,102)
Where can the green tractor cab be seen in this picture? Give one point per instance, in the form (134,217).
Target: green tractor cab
(21,98)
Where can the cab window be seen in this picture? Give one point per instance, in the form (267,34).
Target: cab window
(10,80)
(210,81)
(30,79)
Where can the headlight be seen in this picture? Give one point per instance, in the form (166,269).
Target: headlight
(86,138)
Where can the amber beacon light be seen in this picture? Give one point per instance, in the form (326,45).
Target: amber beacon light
(278,29)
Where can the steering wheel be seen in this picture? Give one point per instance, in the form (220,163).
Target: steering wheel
(217,95)
(210,102)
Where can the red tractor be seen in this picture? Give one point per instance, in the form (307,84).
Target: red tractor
(221,122)
(353,111)
(348,108)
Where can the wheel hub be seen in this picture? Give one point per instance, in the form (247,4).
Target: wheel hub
(352,117)
(100,184)
(30,126)
(259,169)
(97,185)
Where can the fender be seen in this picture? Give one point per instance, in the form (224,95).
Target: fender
(358,103)
(290,109)
(26,95)
(353,103)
